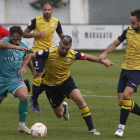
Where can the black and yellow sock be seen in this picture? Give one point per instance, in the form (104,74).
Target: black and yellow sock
(23,110)
(36,90)
(125,109)
(135,109)
(87,117)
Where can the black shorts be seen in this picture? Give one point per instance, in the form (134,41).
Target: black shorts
(130,78)
(56,94)
(38,65)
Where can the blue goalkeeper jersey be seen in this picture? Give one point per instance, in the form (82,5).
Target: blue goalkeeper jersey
(10,62)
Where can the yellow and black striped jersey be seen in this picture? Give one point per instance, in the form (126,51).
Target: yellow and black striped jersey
(57,68)
(132,54)
(39,24)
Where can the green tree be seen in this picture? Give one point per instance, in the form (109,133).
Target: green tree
(38,4)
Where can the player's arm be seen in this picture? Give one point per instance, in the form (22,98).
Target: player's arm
(61,35)
(93,58)
(84,56)
(114,45)
(59,30)
(110,49)
(27,33)
(43,54)
(31,68)
(6,45)
(25,63)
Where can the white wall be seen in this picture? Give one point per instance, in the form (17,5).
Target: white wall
(2,11)
(79,12)
(20,11)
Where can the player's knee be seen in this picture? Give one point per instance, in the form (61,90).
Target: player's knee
(59,115)
(127,94)
(23,96)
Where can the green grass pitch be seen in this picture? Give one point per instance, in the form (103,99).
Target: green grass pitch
(98,85)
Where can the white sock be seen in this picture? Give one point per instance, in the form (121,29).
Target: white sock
(21,123)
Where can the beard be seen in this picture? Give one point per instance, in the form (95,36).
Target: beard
(13,43)
(47,15)
(63,54)
(137,29)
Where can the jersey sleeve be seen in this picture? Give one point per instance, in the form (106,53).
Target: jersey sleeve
(43,54)
(3,32)
(122,37)
(32,24)
(59,28)
(80,55)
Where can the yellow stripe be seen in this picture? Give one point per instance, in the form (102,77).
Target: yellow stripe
(85,115)
(126,107)
(133,104)
(127,104)
(37,81)
(84,110)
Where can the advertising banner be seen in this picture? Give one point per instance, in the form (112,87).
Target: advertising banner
(85,37)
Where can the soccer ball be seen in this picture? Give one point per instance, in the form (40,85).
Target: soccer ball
(38,130)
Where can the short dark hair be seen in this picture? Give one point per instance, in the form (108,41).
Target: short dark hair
(67,40)
(16,29)
(136,13)
(47,3)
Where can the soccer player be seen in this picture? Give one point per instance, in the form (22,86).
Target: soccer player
(43,28)
(3,32)
(12,52)
(130,75)
(57,81)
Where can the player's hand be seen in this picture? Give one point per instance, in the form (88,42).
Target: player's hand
(108,63)
(21,71)
(34,73)
(40,34)
(102,56)
(21,48)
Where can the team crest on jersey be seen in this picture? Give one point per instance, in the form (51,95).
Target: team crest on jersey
(30,23)
(52,26)
(40,52)
(68,60)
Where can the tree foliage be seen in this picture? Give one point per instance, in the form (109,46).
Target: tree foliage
(38,4)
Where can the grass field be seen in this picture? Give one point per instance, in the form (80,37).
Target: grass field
(98,86)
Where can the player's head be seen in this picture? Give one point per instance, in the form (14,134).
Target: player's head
(16,34)
(135,20)
(65,45)
(47,10)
